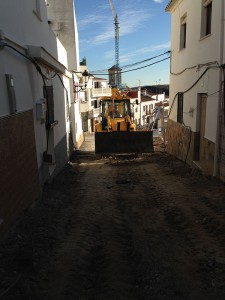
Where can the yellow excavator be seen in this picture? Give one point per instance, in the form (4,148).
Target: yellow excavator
(115,130)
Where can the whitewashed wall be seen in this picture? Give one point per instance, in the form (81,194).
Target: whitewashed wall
(198,51)
(22,27)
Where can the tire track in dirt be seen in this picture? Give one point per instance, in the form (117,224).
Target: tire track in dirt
(128,229)
(99,267)
(186,228)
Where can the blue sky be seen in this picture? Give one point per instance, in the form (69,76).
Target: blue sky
(144,33)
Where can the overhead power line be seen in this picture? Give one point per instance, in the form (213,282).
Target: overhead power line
(135,68)
(145,60)
(131,65)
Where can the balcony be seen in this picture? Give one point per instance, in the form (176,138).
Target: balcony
(100,92)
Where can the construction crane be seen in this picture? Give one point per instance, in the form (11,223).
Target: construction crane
(117,28)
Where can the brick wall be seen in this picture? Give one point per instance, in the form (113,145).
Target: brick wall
(19,185)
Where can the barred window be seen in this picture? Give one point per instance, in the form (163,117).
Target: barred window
(180,108)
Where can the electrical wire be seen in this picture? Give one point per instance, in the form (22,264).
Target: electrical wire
(194,67)
(3,44)
(31,59)
(44,78)
(146,65)
(190,88)
(133,64)
(120,72)
(38,68)
(187,112)
(145,60)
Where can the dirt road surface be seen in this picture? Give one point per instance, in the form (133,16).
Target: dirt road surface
(119,228)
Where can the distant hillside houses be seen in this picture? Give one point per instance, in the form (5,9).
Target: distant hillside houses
(155,89)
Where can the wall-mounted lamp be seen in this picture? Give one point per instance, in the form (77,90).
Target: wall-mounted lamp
(82,87)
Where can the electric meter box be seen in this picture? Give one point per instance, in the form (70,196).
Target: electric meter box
(41,109)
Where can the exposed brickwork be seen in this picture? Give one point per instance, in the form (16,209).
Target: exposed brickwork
(184,144)
(179,141)
(18,166)
(208,154)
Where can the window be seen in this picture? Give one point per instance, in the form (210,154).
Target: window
(206,17)
(180,108)
(183,32)
(37,8)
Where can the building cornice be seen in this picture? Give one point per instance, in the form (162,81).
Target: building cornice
(170,5)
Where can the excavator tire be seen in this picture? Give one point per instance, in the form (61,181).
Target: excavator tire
(124,142)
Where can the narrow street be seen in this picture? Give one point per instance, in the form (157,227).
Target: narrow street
(119,228)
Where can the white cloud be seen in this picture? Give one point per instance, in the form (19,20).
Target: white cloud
(100,30)
(133,20)
(89,20)
(93,19)
(134,56)
(153,48)
(158,1)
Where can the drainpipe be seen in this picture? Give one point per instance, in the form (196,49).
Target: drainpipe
(221,95)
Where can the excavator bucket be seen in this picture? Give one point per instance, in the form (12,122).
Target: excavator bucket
(124,142)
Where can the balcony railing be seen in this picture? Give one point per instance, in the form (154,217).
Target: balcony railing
(98,92)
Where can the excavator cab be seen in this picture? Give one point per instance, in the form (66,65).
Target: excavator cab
(116,108)
(115,115)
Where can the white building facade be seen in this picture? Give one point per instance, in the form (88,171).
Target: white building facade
(95,89)
(37,134)
(196,115)
(62,20)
